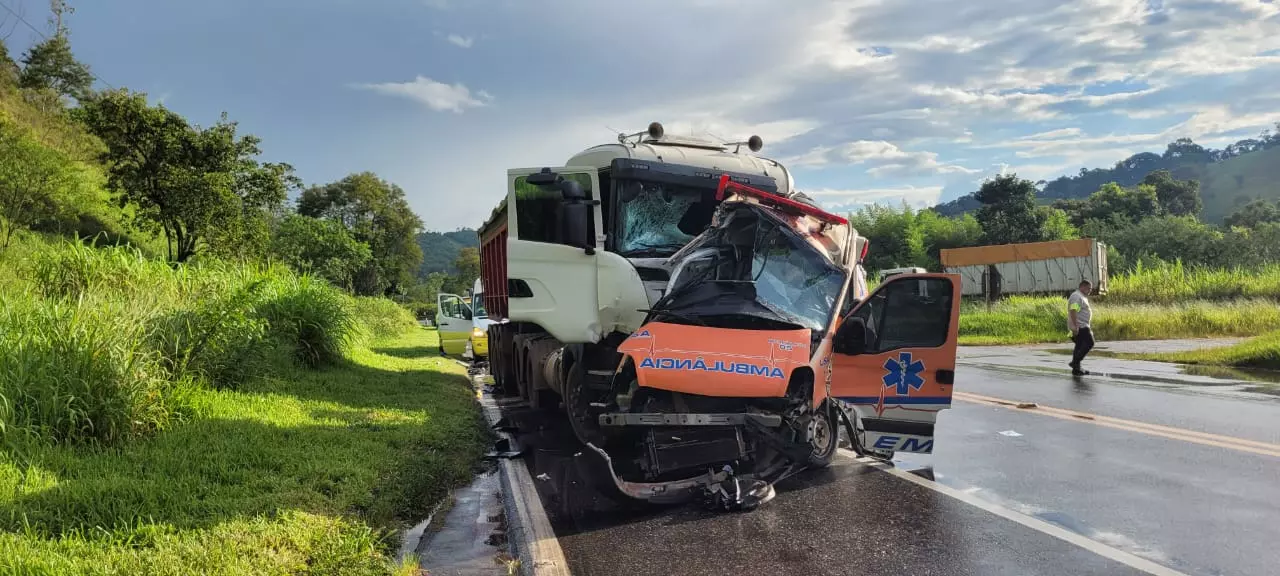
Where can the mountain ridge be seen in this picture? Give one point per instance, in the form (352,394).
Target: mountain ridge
(1229,178)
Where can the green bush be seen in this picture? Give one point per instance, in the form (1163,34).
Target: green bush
(221,341)
(382,318)
(309,317)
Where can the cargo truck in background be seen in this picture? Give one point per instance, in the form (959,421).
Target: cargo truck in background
(1030,268)
(702,325)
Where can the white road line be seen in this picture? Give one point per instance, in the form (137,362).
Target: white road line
(1193,436)
(1130,560)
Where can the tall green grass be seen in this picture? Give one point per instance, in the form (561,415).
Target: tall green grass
(1173,283)
(301,472)
(1020,320)
(97,344)
(70,372)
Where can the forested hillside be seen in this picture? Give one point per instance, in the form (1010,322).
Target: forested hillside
(440,249)
(1228,178)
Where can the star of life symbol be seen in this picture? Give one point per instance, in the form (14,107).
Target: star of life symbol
(903,373)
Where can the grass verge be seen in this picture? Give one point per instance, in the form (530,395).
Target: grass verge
(1028,320)
(303,472)
(1262,352)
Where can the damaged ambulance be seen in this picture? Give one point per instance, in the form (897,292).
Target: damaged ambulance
(765,345)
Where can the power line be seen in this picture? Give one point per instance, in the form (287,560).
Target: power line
(41,34)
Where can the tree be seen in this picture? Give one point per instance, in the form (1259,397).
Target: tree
(905,237)
(1132,204)
(467,265)
(200,188)
(37,184)
(1177,197)
(1171,238)
(1253,214)
(320,247)
(1008,214)
(895,238)
(9,69)
(1055,225)
(421,296)
(941,233)
(374,212)
(50,65)
(1184,148)
(262,190)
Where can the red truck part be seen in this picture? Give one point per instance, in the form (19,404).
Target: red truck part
(493,268)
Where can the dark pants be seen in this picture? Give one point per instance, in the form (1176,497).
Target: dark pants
(1084,343)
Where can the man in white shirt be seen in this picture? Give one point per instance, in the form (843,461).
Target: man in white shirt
(1079,314)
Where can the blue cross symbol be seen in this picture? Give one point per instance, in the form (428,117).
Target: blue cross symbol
(903,373)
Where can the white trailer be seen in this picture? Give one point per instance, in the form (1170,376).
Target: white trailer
(1031,268)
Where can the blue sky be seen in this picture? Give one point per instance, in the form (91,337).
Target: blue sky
(868,101)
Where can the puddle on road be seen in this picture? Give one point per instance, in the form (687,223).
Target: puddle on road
(469,539)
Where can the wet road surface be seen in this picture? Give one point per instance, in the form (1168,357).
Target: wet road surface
(1002,476)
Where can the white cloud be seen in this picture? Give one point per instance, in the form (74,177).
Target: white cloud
(435,95)
(886,158)
(841,201)
(900,90)
(461,41)
(1054,134)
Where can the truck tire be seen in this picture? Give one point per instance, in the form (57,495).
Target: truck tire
(826,438)
(577,408)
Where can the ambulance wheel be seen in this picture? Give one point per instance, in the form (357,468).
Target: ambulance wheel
(825,436)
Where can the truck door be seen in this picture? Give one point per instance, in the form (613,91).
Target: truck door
(894,360)
(551,283)
(453,323)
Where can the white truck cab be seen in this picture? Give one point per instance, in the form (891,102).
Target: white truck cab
(574,255)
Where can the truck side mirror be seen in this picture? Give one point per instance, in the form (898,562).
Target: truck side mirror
(853,337)
(575,216)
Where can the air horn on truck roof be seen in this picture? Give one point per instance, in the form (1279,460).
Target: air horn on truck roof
(655,132)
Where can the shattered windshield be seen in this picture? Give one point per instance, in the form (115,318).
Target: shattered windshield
(792,279)
(659,219)
(787,278)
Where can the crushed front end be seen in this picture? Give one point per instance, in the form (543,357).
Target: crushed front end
(722,391)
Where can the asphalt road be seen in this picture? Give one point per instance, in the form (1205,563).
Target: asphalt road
(1006,491)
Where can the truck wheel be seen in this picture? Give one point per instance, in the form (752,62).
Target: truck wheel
(578,407)
(826,436)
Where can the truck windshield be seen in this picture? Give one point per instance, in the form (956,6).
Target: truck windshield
(658,219)
(477,306)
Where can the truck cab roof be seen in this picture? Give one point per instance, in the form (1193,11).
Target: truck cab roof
(681,150)
(687,151)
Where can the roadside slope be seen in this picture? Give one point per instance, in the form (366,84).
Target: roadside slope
(305,471)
